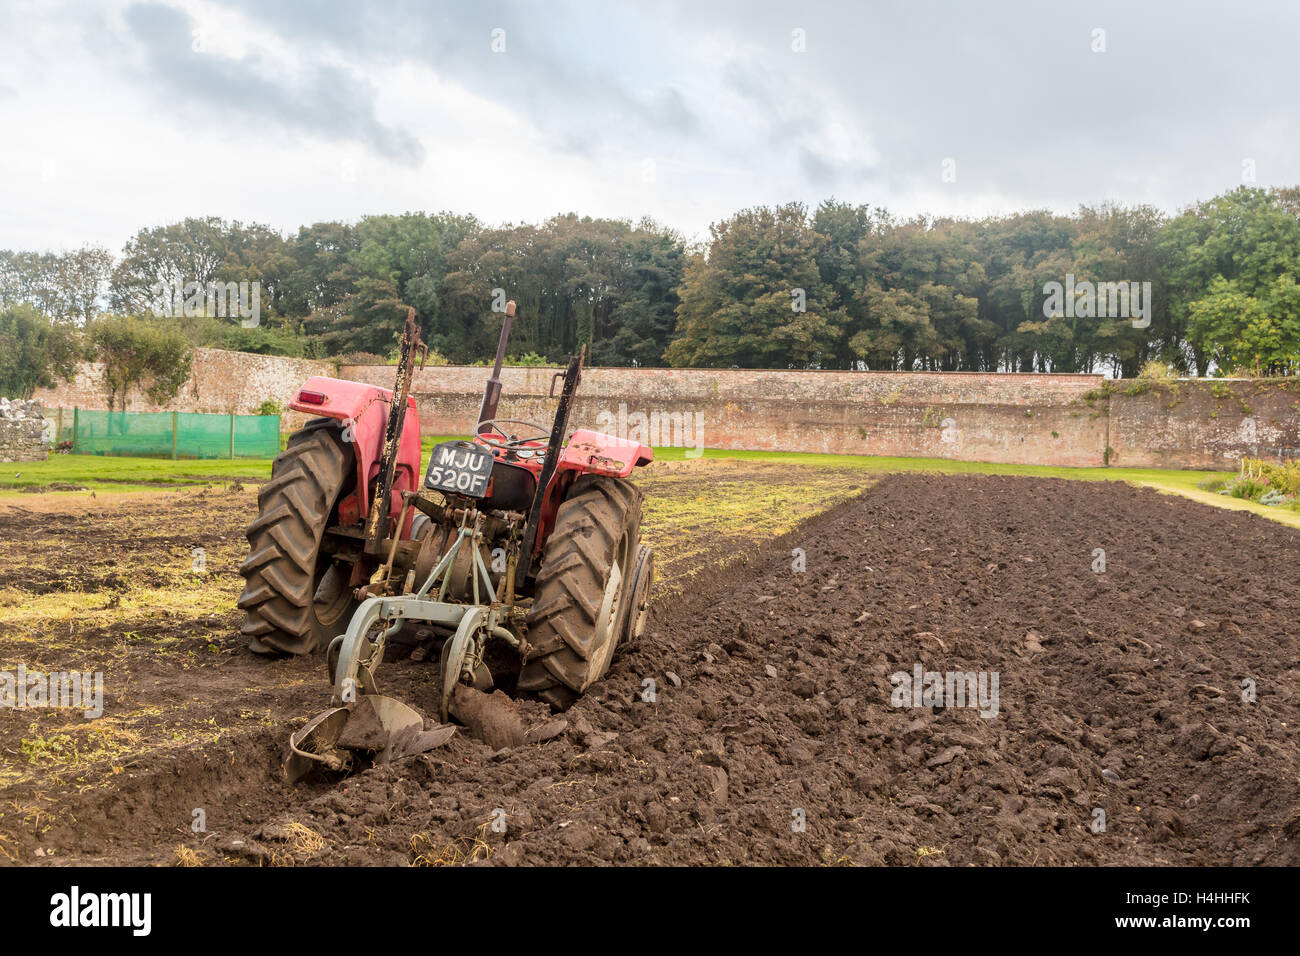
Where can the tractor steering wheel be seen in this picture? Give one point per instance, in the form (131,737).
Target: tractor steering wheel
(511,444)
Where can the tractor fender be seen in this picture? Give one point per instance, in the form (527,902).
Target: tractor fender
(593,453)
(363,410)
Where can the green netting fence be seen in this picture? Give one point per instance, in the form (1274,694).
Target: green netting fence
(168,434)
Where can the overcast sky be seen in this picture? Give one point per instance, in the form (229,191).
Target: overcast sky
(131,113)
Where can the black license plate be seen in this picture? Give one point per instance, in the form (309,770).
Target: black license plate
(459,468)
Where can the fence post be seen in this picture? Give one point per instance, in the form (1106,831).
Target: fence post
(58,433)
(174,422)
(232,436)
(76,414)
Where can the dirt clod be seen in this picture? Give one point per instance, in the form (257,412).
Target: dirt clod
(492,718)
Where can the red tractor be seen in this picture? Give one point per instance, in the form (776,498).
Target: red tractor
(514,536)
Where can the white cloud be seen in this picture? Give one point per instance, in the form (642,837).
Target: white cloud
(299,113)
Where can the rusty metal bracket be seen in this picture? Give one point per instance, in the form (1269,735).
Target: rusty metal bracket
(376,521)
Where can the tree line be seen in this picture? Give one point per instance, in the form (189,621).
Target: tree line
(837,287)
(852,287)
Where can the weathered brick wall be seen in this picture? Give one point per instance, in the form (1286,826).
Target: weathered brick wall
(1022,419)
(220,383)
(1007,418)
(1203,424)
(22,431)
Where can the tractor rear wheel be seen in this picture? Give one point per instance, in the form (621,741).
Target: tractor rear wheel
(582,596)
(296,596)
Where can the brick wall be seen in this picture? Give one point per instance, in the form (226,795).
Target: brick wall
(975,417)
(1021,419)
(220,383)
(1203,424)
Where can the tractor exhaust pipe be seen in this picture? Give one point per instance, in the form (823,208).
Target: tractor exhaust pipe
(492,390)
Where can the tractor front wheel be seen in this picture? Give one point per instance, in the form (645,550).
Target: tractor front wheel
(583,592)
(296,597)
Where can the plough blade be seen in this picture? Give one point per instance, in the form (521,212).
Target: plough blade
(372,730)
(312,746)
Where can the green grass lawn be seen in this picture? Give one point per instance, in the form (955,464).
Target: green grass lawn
(142,474)
(103,473)
(944,466)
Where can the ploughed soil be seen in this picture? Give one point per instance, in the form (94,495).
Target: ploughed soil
(1145,708)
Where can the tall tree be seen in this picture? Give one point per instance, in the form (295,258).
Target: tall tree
(758,299)
(1247,238)
(35,351)
(139,353)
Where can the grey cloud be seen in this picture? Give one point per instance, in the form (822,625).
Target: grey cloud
(322,100)
(783,112)
(1009,89)
(546,73)
(1014,92)
(816,169)
(670,112)
(793,117)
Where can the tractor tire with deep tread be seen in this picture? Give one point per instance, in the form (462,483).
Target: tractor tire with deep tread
(288,608)
(597,527)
